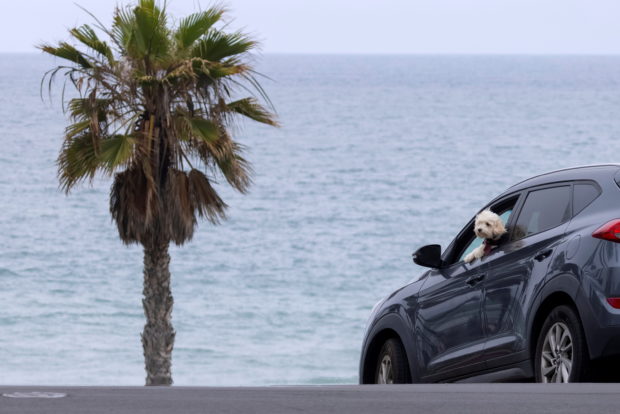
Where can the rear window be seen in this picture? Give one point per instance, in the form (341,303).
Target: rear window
(583,194)
(543,210)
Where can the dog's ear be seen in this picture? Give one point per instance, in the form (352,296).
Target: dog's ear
(498,227)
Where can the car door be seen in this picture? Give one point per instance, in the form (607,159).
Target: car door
(449,324)
(518,266)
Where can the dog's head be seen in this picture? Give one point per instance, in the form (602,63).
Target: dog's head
(489,225)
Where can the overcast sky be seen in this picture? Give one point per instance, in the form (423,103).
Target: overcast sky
(363,26)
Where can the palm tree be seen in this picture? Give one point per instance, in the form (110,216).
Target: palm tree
(154,110)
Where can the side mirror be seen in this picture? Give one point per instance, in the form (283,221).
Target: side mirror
(428,256)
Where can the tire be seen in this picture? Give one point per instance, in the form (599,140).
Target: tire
(392,367)
(561,351)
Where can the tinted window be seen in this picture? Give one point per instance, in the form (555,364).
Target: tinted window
(543,210)
(583,194)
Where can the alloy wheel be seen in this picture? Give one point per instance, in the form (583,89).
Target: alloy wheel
(385,375)
(557,354)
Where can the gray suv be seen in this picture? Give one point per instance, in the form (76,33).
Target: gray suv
(544,305)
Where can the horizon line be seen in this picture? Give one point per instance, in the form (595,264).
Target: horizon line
(35,52)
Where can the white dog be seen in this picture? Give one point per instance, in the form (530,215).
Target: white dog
(488,226)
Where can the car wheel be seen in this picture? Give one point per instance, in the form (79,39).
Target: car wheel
(561,352)
(392,365)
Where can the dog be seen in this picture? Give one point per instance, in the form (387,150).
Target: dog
(488,226)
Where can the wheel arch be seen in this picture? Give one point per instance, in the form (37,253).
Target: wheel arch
(390,326)
(561,290)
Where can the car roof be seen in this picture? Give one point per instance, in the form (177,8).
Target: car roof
(586,172)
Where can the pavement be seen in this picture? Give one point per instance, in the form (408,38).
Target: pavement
(375,399)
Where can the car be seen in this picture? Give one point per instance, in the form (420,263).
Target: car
(543,306)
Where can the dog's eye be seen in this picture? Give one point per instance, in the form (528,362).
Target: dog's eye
(487,224)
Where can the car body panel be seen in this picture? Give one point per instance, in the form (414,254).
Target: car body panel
(514,277)
(448,319)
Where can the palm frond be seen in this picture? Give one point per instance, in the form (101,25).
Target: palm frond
(227,156)
(88,37)
(77,128)
(236,169)
(217,45)
(205,129)
(196,25)
(123,30)
(180,217)
(84,108)
(116,151)
(205,199)
(218,70)
(66,51)
(77,161)
(251,108)
(150,32)
(131,206)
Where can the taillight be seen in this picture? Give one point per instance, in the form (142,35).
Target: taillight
(609,231)
(614,302)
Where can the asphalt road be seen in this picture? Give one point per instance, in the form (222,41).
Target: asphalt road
(375,399)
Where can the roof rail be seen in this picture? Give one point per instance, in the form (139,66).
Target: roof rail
(611,164)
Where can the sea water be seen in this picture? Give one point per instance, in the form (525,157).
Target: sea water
(376,156)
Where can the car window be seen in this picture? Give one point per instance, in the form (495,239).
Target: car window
(543,210)
(470,248)
(476,241)
(583,194)
(506,215)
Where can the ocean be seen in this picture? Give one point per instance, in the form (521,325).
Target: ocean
(376,156)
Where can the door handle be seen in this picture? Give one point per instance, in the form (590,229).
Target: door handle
(543,255)
(472,280)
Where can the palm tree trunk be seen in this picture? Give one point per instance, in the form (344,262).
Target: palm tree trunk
(158,335)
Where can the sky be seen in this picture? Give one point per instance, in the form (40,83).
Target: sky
(362,26)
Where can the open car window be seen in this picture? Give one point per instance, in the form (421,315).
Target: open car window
(474,244)
(476,241)
(466,240)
